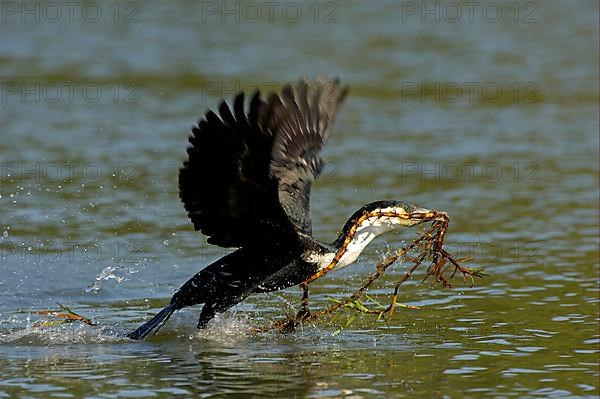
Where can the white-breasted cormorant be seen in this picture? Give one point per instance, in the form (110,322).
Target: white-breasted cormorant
(246,185)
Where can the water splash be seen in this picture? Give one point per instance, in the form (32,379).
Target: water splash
(61,334)
(111,273)
(224,329)
(30,329)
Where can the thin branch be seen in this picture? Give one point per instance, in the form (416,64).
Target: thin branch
(429,245)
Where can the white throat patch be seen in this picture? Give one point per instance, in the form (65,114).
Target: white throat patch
(365,233)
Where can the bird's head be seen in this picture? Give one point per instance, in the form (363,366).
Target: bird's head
(387,215)
(377,218)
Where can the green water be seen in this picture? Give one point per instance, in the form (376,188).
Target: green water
(491,118)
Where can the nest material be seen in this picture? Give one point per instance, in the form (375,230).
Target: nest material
(429,245)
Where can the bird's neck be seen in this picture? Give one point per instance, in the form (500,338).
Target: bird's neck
(350,243)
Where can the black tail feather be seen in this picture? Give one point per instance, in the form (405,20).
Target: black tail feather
(155,323)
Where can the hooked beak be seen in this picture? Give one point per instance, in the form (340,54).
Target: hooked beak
(421,215)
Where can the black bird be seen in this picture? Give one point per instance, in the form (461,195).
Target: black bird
(246,185)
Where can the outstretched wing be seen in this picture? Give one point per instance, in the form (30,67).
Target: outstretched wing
(242,179)
(302,118)
(225,185)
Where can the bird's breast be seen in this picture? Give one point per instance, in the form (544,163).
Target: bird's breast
(290,275)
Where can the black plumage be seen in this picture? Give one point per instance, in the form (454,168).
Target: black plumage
(246,185)
(248,177)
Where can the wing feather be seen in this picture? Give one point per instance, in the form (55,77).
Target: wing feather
(248,174)
(224,184)
(305,119)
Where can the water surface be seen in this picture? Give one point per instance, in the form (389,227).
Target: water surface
(493,120)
